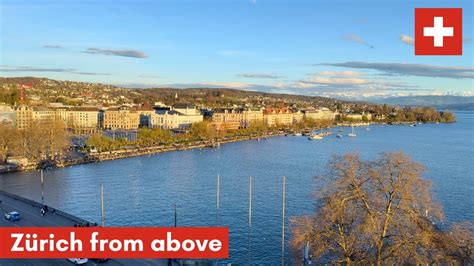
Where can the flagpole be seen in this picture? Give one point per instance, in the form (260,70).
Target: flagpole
(175,215)
(283,223)
(218,188)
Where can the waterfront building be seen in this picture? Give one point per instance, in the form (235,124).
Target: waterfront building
(187,109)
(43,114)
(358,117)
(319,114)
(251,116)
(119,118)
(180,116)
(277,116)
(23,116)
(379,117)
(7,115)
(297,116)
(144,115)
(84,119)
(168,119)
(227,118)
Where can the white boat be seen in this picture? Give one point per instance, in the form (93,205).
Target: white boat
(298,134)
(352,134)
(339,135)
(315,137)
(367,128)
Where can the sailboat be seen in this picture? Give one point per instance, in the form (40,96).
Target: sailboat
(352,134)
(306,255)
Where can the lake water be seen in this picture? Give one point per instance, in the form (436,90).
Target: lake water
(140,191)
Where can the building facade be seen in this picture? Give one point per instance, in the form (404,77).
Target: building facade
(7,116)
(226,118)
(85,119)
(24,117)
(251,116)
(277,116)
(180,116)
(358,117)
(319,114)
(119,118)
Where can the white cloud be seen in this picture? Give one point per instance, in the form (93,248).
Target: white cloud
(258,76)
(336,81)
(340,73)
(407,39)
(405,69)
(358,39)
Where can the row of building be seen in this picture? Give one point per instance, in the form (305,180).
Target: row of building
(234,118)
(178,116)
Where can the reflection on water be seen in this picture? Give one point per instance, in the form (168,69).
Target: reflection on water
(141,190)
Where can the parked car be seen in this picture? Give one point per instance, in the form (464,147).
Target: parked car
(13,216)
(100,260)
(78,261)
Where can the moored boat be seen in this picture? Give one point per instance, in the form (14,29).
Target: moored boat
(352,134)
(315,137)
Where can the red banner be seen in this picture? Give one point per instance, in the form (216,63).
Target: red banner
(114,242)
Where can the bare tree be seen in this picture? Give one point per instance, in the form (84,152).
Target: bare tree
(7,133)
(378,212)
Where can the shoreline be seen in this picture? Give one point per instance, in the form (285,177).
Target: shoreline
(139,151)
(142,151)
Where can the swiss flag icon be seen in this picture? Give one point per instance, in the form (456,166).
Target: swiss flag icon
(438,31)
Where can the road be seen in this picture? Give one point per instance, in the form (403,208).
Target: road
(30,216)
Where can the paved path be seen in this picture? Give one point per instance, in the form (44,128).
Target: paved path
(30,216)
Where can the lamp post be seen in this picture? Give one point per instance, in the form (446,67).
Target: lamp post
(42,187)
(102,203)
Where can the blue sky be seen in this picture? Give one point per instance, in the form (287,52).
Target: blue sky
(329,48)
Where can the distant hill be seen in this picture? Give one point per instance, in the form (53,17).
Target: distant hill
(458,106)
(440,102)
(42,90)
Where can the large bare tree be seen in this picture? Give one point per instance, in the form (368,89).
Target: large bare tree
(379,212)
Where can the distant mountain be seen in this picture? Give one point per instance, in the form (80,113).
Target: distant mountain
(440,102)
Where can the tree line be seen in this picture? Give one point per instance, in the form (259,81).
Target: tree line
(44,140)
(414,114)
(203,131)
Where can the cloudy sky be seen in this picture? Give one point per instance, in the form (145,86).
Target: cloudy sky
(329,48)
